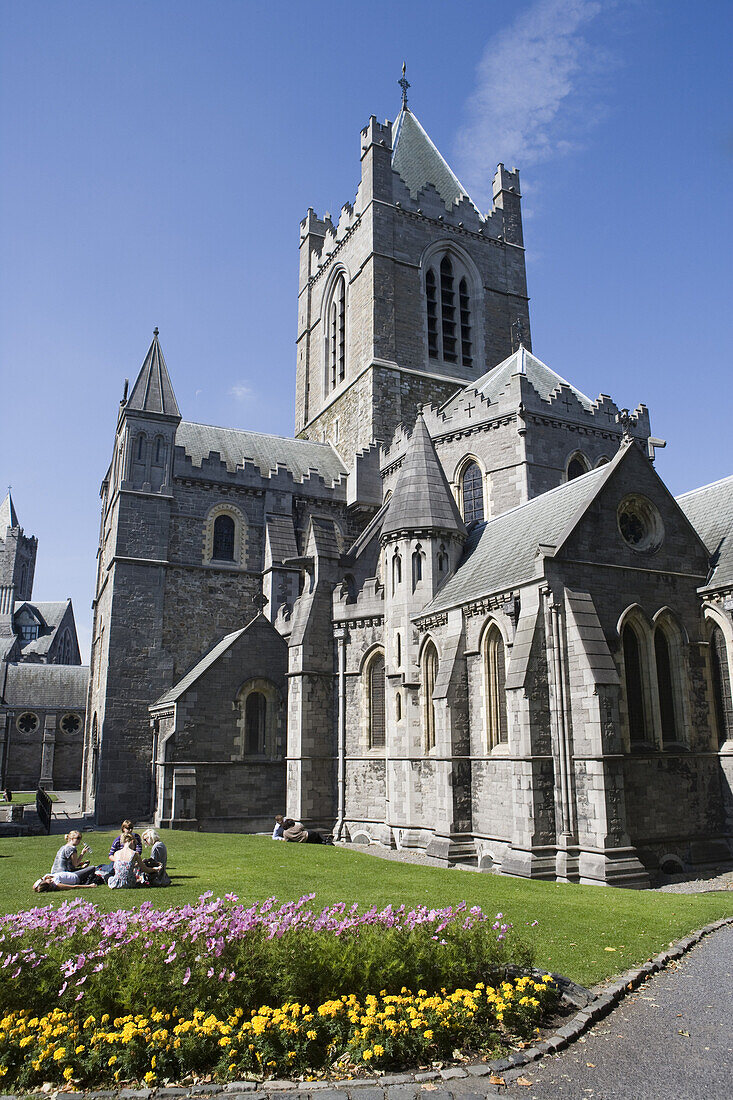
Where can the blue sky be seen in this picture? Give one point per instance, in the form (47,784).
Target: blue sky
(157,158)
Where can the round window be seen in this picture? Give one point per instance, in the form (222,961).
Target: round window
(71,723)
(640,523)
(27,722)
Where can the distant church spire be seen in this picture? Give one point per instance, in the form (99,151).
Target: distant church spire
(153,392)
(8,517)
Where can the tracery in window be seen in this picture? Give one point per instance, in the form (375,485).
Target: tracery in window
(472,493)
(465,306)
(27,722)
(224,529)
(376,689)
(634,686)
(448,310)
(430,674)
(721,684)
(495,687)
(70,723)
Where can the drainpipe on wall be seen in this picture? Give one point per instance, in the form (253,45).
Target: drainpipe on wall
(552,619)
(340,637)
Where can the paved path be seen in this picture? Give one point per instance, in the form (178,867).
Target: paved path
(671,1040)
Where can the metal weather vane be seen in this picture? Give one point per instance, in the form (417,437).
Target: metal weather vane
(404,83)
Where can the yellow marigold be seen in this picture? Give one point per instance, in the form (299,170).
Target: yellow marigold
(312,1034)
(111,1061)
(150,1078)
(428,1035)
(68,1073)
(80,1049)
(367,1055)
(60,1054)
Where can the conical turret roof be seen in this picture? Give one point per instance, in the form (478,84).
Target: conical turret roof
(417,161)
(153,392)
(422,497)
(8,517)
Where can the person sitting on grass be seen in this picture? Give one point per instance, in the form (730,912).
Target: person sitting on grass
(117,842)
(57,881)
(69,862)
(296,833)
(127,865)
(277,832)
(155,865)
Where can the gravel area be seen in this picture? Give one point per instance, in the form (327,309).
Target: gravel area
(673,884)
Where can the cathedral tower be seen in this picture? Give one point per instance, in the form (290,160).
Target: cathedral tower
(412,294)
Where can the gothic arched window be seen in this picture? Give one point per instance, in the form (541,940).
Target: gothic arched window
(430,675)
(577,466)
(376,687)
(396,572)
(417,566)
(223,549)
(140,453)
(255,723)
(472,493)
(634,686)
(495,686)
(336,334)
(721,684)
(448,312)
(665,687)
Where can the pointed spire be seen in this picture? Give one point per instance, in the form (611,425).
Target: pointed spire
(404,83)
(153,392)
(417,161)
(422,497)
(8,517)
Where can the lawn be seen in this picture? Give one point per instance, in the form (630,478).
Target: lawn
(585,932)
(27,798)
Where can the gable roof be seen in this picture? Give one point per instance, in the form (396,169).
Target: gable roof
(542,378)
(503,552)
(8,517)
(302,457)
(28,685)
(153,392)
(199,669)
(418,163)
(422,497)
(710,511)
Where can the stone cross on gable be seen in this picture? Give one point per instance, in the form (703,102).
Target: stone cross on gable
(518,333)
(627,422)
(469,409)
(260,601)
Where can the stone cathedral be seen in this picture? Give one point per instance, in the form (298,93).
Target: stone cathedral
(459,611)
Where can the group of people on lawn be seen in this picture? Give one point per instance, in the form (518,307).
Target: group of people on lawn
(72,870)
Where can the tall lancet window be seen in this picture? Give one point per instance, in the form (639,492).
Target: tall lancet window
(448,311)
(495,687)
(634,686)
(665,686)
(223,539)
(472,493)
(376,687)
(336,336)
(721,684)
(430,675)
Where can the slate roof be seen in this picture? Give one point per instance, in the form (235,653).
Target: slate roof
(8,517)
(710,511)
(417,161)
(541,377)
(422,497)
(153,392)
(503,551)
(301,457)
(175,693)
(45,686)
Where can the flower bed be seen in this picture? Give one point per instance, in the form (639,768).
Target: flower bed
(381,1031)
(142,994)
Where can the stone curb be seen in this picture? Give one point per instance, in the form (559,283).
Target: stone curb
(595,1004)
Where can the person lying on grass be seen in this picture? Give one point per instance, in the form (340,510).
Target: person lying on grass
(59,881)
(296,833)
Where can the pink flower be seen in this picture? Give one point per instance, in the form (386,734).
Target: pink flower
(63,989)
(187,976)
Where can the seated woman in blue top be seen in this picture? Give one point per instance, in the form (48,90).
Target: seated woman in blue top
(72,864)
(117,843)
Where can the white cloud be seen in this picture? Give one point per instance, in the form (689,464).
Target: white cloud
(241,392)
(531,96)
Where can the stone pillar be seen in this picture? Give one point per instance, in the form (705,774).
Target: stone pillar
(48,751)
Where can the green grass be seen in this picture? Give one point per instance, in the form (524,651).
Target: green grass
(578,925)
(27,798)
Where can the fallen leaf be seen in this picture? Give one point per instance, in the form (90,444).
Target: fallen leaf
(609,948)
(429,1088)
(591,1065)
(494,1079)
(680,1032)
(525,1082)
